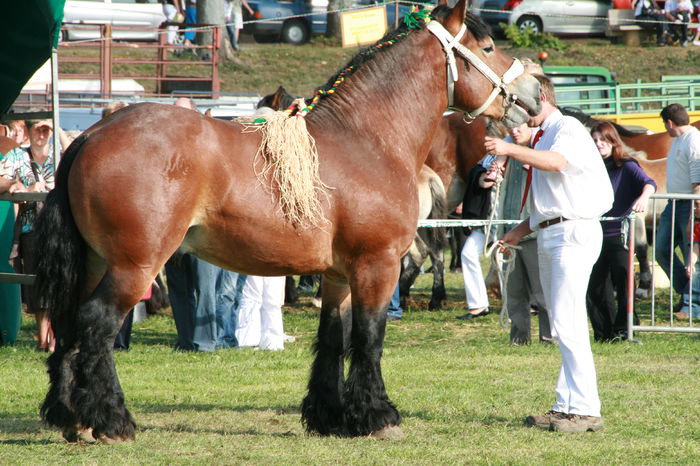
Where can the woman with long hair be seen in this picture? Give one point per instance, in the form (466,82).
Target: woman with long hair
(632,188)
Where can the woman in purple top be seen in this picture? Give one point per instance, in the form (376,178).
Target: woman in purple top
(632,188)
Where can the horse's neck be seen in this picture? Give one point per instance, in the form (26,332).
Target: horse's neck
(395,101)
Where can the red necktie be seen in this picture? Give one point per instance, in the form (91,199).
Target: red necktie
(528,180)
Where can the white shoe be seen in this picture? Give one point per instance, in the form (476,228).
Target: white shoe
(289,338)
(696,42)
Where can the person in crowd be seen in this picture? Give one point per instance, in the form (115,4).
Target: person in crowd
(677,12)
(234,20)
(565,209)
(113,107)
(195,289)
(31,169)
(632,188)
(682,177)
(476,205)
(692,306)
(524,288)
(190,18)
(259,312)
(172,9)
(19,132)
(394,312)
(651,16)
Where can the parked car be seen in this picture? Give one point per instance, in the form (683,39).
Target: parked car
(295,21)
(559,17)
(146,14)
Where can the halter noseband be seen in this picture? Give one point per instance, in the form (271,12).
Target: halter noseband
(450,44)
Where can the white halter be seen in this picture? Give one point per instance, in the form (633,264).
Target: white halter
(448,44)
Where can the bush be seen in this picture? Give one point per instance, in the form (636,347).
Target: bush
(529,39)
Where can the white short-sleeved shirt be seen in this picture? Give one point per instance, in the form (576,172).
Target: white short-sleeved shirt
(683,163)
(582,190)
(673,5)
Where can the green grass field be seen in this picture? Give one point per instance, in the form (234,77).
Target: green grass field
(462,392)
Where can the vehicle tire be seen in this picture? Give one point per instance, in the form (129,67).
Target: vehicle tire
(295,32)
(530,22)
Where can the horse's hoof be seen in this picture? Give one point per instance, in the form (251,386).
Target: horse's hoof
(78,435)
(389,433)
(113,440)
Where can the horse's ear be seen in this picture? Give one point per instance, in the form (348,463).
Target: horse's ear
(456,18)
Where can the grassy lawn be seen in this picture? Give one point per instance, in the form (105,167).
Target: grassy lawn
(462,391)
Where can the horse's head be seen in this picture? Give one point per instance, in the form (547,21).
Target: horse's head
(481,79)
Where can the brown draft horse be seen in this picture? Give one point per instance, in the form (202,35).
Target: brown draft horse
(127,199)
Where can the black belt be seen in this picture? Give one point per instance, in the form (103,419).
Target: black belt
(552,221)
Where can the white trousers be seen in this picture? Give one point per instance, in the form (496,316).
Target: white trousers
(170,11)
(260,313)
(567,252)
(474,286)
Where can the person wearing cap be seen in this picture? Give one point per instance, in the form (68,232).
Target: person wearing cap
(569,191)
(30,169)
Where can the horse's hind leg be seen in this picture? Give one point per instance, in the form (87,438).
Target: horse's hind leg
(322,408)
(437,257)
(368,409)
(97,398)
(412,262)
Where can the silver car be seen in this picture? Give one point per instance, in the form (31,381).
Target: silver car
(147,15)
(559,17)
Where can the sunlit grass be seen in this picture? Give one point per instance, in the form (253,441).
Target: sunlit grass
(462,392)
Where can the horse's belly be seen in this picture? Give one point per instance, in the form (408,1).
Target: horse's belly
(265,252)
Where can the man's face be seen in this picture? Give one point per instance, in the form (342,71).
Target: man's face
(521,134)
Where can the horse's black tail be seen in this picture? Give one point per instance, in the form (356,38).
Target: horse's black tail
(61,264)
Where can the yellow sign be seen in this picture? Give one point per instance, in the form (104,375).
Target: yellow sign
(363,27)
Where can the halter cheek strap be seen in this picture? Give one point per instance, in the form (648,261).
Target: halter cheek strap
(450,44)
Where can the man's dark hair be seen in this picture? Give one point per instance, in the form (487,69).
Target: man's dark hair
(675,113)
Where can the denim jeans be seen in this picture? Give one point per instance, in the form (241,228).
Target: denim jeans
(665,249)
(192,292)
(395,305)
(696,296)
(226,303)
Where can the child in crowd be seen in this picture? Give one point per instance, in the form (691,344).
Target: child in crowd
(496,165)
(693,274)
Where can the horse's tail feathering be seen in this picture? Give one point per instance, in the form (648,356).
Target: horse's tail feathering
(61,264)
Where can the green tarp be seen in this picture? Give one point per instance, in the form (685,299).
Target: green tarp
(28,31)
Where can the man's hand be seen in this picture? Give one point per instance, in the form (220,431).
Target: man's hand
(496,146)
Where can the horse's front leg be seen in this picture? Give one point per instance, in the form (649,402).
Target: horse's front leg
(322,408)
(368,410)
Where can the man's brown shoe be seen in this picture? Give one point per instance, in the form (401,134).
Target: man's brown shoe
(574,423)
(543,421)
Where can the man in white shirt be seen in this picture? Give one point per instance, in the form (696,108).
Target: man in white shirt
(570,191)
(682,177)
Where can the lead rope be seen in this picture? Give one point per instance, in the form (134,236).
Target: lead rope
(504,265)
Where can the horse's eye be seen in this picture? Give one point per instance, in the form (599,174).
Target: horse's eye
(488,50)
